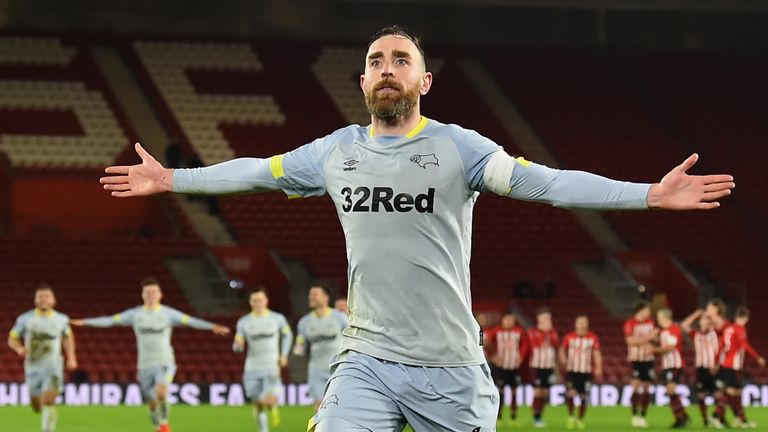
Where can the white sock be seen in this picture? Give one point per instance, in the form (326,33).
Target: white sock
(164,408)
(263,423)
(49,417)
(154,414)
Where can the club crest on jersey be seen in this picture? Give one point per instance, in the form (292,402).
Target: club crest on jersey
(424,160)
(329,401)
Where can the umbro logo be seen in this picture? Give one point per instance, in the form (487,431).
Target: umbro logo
(350,165)
(424,160)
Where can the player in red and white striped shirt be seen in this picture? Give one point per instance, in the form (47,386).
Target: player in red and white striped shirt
(507,345)
(639,332)
(577,352)
(543,339)
(671,350)
(716,311)
(733,345)
(706,344)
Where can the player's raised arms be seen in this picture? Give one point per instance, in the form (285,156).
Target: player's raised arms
(677,190)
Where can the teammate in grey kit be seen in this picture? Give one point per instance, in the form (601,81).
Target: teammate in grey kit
(269,340)
(153,324)
(321,329)
(38,337)
(404,188)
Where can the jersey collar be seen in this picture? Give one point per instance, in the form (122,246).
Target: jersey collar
(327,312)
(152,309)
(263,314)
(412,133)
(47,314)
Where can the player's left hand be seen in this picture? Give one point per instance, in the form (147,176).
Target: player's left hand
(71,363)
(761,361)
(283,362)
(220,330)
(679,190)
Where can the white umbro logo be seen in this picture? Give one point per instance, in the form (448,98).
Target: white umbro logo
(350,165)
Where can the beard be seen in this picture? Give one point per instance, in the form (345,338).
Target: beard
(391,107)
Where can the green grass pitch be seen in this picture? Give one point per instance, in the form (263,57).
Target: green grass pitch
(294,419)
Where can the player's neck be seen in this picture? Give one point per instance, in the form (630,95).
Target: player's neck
(400,127)
(151,307)
(322,311)
(43,313)
(260,313)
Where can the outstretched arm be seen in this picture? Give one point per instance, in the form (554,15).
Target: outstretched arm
(182,319)
(150,177)
(677,190)
(121,319)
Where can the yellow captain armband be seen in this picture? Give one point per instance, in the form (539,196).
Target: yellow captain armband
(286,328)
(185,319)
(521,160)
(117,317)
(276,166)
(239,338)
(13,334)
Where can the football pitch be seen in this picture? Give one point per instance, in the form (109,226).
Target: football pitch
(185,418)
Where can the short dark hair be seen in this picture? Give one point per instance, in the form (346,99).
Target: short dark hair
(543,310)
(149,281)
(742,312)
(44,287)
(719,304)
(326,289)
(396,30)
(640,305)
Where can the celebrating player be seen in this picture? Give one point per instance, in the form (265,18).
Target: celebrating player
(543,339)
(321,329)
(639,332)
(38,337)
(715,311)
(508,345)
(705,344)
(404,188)
(156,364)
(671,350)
(269,339)
(576,353)
(731,362)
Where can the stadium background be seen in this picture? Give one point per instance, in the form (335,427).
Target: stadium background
(622,88)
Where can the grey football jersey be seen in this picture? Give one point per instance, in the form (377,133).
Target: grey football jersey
(323,333)
(153,329)
(405,205)
(42,334)
(268,336)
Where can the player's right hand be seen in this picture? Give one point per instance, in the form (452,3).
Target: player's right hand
(147,178)
(220,330)
(77,322)
(21,351)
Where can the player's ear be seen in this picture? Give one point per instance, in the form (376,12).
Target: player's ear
(426,83)
(362,82)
